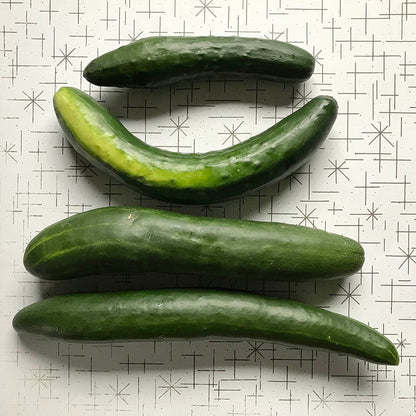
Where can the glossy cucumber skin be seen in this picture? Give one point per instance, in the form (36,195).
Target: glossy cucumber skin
(198,178)
(165,59)
(200,313)
(132,239)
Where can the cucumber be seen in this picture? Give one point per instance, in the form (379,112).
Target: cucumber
(200,178)
(166,59)
(124,239)
(197,313)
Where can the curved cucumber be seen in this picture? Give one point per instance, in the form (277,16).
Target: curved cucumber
(123,239)
(197,313)
(165,59)
(193,178)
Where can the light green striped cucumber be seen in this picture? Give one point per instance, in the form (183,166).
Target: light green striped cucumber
(197,178)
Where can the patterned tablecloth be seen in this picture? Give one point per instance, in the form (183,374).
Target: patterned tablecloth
(361,183)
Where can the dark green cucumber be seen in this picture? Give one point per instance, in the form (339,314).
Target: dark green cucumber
(165,59)
(198,313)
(123,239)
(193,178)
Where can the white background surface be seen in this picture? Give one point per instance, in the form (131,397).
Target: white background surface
(361,184)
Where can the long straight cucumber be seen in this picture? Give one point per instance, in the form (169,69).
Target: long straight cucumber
(123,239)
(199,178)
(165,59)
(197,313)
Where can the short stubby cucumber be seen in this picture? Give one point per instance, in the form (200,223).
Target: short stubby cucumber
(197,313)
(165,59)
(133,239)
(198,178)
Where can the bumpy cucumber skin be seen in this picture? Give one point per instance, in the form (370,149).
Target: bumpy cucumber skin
(198,313)
(199,178)
(162,60)
(132,239)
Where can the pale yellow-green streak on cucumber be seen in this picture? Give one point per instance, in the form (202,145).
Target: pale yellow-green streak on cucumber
(93,136)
